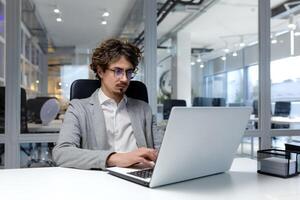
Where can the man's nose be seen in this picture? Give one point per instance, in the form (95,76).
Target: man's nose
(124,77)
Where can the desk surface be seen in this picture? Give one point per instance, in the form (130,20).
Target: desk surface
(278,119)
(52,127)
(241,183)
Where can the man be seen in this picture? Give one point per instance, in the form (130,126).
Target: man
(108,128)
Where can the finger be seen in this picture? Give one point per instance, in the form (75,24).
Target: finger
(146,163)
(150,156)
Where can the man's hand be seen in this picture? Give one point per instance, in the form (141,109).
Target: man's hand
(143,156)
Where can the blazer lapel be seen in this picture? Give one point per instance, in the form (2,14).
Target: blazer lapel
(137,127)
(98,121)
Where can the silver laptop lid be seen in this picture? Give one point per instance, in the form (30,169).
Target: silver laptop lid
(199,141)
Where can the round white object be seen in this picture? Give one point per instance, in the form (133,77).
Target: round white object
(49,111)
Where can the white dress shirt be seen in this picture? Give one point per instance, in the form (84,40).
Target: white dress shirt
(118,124)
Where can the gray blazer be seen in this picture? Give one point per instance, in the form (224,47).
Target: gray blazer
(83,140)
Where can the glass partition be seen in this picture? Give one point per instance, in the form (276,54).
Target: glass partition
(285,74)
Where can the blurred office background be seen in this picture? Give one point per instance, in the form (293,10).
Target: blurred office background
(206,53)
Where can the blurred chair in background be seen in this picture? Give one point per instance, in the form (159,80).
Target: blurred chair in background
(34,107)
(207,101)
(282,109)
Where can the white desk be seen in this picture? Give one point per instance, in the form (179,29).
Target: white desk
(52,127)
(241,183)
(279,120)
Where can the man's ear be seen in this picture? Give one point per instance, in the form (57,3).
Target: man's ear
(100,72)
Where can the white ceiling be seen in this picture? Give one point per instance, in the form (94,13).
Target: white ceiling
(81,25)
(226,22)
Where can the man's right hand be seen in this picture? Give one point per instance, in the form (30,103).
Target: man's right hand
(142,156)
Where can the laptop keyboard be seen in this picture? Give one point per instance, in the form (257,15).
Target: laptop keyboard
(146,173)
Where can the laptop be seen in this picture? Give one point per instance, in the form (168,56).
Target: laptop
(198,141)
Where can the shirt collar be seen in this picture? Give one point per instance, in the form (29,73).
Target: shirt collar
(103,98)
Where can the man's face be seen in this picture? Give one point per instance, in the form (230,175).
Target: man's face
(116,78)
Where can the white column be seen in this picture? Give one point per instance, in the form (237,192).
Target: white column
(264,73)
(44,75)
(150,52)
(181,67)
(12,81)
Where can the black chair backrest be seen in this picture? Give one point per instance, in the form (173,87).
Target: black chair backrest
(255,107)
(218,102)
(34,107)
(207,101)
(202,101)
(282,108)
(23,120)
(83,88)
(169,104)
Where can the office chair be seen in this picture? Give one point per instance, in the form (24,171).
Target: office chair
(202,101)
(34,107)
(23,120)
(168,104)
(282,109)
(217,102)
(83,88)
(255,108)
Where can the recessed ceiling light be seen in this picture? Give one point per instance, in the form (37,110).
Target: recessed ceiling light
(201,65)
(59,19)
(226,50)
(56,10)
(234,54)
(242,44)
(105,14)
(297,33)
(103,22)
(274,41)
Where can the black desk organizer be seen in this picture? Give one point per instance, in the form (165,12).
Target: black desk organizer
(294,147)
(279,163)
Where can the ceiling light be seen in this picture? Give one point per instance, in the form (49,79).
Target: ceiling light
(242,44)
(59,19)
(56,10)
(201,65)
(198,59)
(105,14)
(274,41)
(193,63)
(226,50)
(37,81)
(234,54)
(103,22)
(223,58)
(292,25)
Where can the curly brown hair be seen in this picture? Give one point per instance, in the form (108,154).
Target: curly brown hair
(111,51)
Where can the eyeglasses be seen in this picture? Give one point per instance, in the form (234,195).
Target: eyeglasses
(119,73)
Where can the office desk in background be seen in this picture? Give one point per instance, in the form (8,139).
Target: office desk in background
(241,183)
(52,127)
(294,122)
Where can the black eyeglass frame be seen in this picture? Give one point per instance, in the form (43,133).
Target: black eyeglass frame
(119,72)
